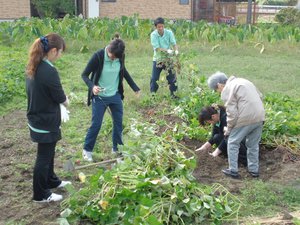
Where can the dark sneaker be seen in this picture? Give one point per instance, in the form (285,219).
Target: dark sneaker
(116,153)
(231,174)
(173,96)
(253,174)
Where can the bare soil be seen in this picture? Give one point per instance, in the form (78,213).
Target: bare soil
(18,156)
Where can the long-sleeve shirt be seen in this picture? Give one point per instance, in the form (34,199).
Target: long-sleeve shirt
(165,41)
(44,93)
(95,67)
(243,103)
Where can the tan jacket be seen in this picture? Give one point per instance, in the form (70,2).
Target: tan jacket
(243,103)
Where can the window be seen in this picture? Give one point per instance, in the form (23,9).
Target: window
(183,2)
(108,0)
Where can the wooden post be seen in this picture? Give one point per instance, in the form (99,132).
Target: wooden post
(254,12)
(249,12)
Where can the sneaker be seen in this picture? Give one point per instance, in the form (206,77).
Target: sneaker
(116,153)
(173,96)
(231,174)
(87,155)
(253,174)
(52,198)
(64,183)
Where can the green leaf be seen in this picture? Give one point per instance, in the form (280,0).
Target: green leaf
(152,220)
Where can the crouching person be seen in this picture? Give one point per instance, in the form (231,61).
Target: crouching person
(216,115)
(245,117)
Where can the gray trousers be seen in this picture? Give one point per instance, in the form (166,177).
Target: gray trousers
(252,133)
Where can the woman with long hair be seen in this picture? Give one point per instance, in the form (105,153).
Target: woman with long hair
(46,100)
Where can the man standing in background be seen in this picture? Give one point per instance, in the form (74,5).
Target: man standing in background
(162,41)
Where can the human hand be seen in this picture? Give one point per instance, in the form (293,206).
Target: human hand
(64,113)
(176,52)
(170,51)
(226,131)
(216,152)
(96,90)
(201,148)
(205,146)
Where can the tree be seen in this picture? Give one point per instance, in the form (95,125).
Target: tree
(54,8)
(249,12)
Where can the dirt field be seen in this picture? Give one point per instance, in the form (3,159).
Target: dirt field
(18,156)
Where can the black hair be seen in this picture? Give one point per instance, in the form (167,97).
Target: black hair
(117,48)
(159,20)
(207,112)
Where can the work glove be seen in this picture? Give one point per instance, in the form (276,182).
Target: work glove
(226,132)
(176,52)
(64,113)
(170,51)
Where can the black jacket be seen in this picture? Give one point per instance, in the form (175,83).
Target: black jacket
(95,66)
(217,136)
(44,94)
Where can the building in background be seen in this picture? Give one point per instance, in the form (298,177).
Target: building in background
(14,9)
(146,9)
(225,11)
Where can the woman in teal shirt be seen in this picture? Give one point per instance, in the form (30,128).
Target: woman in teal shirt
(105,85)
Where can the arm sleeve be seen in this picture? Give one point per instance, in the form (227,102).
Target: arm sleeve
(91,67)
(231,109)
(215,131)
(130,81)
(55,88)
(154,42)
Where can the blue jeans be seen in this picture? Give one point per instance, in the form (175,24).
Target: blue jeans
(252,133)
(155,77)
(99,105)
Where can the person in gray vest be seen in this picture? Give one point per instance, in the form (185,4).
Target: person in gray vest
(245,118)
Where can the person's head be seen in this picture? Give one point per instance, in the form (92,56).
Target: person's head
(217,81)
(210,114)
(159,23)
(116,49)
(50,46)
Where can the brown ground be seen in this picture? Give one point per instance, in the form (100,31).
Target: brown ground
(18,156)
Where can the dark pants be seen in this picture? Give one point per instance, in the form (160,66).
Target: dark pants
(242,158)
(44,177)
(99,105)
(155,77)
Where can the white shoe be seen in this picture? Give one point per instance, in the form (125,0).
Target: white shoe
(64,183)
(87,155)
(52,198)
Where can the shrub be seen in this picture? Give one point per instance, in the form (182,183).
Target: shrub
(54,8)
(288,16)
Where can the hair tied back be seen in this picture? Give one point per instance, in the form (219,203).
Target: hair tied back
(45,43)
